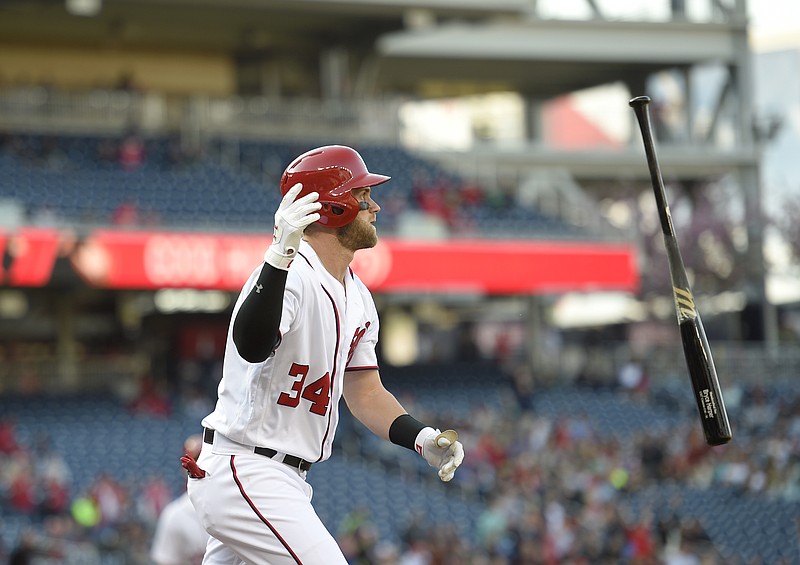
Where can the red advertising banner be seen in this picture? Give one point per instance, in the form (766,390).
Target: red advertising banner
(497,267)
(28,256)
(149,260)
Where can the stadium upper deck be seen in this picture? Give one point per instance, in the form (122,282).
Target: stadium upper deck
(232,68)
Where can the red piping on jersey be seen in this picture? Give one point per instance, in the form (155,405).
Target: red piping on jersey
(368,368)
(333,376)
(306,259)
(335,357)
(261,517)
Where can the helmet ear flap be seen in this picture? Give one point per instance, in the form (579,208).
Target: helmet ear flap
(333,209)
(333,215)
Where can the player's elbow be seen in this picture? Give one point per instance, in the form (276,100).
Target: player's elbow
(253,348)
(252,357)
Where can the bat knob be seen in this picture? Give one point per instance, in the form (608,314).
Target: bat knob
(450,435)
(639,101)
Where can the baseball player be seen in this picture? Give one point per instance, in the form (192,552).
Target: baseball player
(179,538)
(302,335)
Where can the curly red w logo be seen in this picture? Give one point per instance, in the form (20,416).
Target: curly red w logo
(354,342)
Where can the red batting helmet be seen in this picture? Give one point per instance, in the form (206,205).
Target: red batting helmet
(333,171)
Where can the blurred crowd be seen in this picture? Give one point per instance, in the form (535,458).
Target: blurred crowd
(557,492)
(65,526)
(554,492)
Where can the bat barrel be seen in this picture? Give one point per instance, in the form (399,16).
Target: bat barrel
(705,383)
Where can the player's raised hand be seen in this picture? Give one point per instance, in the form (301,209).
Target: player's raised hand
(291,220)
(441,450)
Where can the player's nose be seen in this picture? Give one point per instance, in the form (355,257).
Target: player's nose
(373,206)
(370,205)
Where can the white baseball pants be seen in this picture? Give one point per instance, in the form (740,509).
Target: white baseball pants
(258,512)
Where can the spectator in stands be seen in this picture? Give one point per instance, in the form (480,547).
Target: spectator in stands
(632,376)
(493,522)
(26,550)
(132,152)
(182,153)
(85,512)
(668,525)
(681,555)
(523,386)
(111,499)
(472,195)
(22,491)
(652,457)
(126,214)
(154,496)
(358,538)
(107,150)
(640,544)
(759,413)
(132,543)
(52,154)
(179,538)
(416,542)
(152,398)
(54,497)
(53,478)
(466,345)
(8,437)
(441,198)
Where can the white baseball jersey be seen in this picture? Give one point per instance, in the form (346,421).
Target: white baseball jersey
(290,402)
(179,538)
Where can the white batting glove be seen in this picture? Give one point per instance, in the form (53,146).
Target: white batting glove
(441,450)
(291,220)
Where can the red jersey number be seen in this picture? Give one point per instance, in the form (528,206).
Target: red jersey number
(317,393)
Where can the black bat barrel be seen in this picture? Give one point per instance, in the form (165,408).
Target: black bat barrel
(713,415)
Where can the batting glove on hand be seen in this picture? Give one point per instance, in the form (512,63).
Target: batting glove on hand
(291,220)
(441,450)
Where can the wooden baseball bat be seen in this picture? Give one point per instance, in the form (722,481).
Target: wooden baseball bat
(703,374)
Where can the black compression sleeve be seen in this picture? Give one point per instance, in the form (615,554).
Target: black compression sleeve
(257,325)
(404,431)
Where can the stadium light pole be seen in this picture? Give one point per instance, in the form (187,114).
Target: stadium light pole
(758,318)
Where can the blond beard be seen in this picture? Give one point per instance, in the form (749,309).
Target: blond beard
(358,234)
